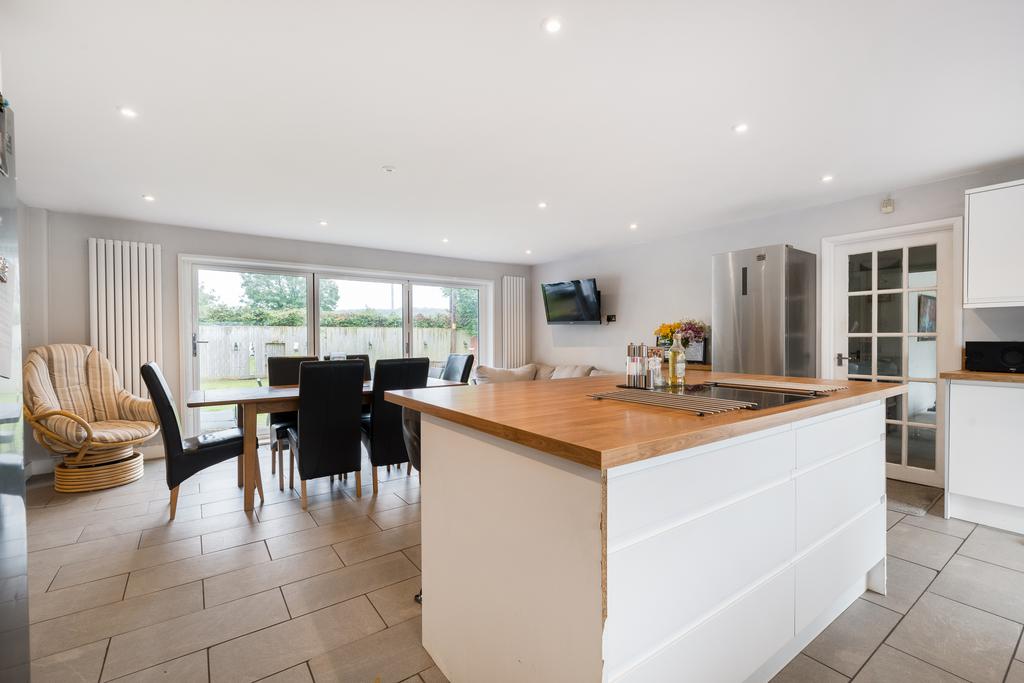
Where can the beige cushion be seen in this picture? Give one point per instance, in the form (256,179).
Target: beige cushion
(566,371)
(486,375)
(544,371)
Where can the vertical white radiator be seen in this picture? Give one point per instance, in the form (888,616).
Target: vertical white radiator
(514,330)
(125,320)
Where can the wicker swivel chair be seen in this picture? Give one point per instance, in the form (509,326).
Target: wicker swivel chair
(79,409)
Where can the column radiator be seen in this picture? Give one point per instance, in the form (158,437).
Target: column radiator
(125,320)
(514,330)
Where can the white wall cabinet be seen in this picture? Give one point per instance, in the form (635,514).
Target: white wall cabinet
(993,243)
(986,463)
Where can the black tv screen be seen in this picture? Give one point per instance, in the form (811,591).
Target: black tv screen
(576,302)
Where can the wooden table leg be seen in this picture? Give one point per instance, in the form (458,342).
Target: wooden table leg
(249,468)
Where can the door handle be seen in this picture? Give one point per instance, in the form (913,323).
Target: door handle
(840,358)
(195,344)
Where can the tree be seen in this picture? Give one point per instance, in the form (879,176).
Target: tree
(265,292)
(465,304)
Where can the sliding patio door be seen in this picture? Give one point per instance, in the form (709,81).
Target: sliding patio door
(361,316)
(445,320)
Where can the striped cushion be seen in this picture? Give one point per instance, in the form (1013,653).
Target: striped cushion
(119,431)
(68,377)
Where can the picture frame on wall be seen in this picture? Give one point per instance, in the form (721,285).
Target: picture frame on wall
(927,309)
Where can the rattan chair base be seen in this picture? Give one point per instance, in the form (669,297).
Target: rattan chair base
(76,479)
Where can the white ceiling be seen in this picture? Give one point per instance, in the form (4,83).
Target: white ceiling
(265,117)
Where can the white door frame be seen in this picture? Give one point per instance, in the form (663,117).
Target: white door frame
(829,247)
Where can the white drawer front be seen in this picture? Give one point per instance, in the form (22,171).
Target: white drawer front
(830,495)
(644,500)
(730,646)
(832,567)
(712,558)
(824,439)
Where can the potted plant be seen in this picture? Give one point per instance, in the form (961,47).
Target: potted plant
(693,335)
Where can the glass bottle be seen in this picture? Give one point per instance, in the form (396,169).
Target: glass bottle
(677,361)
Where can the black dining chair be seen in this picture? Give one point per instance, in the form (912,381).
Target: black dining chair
(458,367)
(382,429)
(411,436)
(282,371)
(328,437)
(182,459)
(365,357)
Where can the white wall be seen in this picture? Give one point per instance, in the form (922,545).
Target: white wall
(648,284)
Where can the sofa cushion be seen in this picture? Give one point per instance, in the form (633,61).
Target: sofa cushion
(544,371)
(487,375)
(566,371)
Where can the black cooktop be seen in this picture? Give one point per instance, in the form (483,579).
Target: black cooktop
(763,399)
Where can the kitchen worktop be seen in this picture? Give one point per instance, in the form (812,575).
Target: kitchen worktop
(984,376)
(559,417)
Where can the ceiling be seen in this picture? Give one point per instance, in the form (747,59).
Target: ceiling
(267,117)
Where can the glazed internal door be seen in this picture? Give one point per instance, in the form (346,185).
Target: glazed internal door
(893,315)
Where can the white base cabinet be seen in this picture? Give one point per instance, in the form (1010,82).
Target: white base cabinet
(986,453)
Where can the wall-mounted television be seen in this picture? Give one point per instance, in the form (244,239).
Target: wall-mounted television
(576,302)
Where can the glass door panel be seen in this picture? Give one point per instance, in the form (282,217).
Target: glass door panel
(445,320)
(242,318)
(361,316)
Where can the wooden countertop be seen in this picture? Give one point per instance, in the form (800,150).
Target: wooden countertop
(1011,377)
(558,417)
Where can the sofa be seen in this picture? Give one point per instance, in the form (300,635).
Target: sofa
(531,372)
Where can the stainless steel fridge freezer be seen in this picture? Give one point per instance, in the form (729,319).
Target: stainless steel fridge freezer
(764,311)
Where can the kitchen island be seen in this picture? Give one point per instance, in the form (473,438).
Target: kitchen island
(571,539)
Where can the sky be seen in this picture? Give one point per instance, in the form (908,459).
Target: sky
(353,294)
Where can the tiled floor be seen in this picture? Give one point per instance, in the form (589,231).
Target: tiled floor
(120,593)
(954,612)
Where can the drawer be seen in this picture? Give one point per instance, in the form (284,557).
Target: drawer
(821,439)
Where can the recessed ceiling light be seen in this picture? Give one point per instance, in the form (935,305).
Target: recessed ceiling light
(445,240)
(740,128)
(633,226)
(149,197)
(553,24)
(826,178)
(127,112)
(542,205)
(388,169)
(323,224)
(529,251)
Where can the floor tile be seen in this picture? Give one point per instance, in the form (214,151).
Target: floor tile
(297,674)
(285,645)
(77,598)
(79,552)
(998,547)
(346,583)
(55,537)
(960,639)
(891,518)
(413,679)
(78,664)
(847,643)
(415,555)
(55,635)
(340,510)
(318,537)
(136,523)
(49,519)
(986,586)
(889,665)
(188,669)
(1016,673)
(434,675)
(922,546)
(410,495)
(382,543)
(258,578)
(389,656)
(396,603)
(803,669)
(953,527)
(228,538)
(389,519)
(120,563)
(904,585)
(145,647)
(197,527)
(195,568)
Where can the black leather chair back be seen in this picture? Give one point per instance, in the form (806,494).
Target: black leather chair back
(283,371)
(365,357)
(330,408)
(387,445)
(411,434)
(160,394)
(457,368)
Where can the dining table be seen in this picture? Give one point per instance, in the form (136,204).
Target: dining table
(250,402)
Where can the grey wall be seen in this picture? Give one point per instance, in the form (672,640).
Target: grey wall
(645,285)
(59,295)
